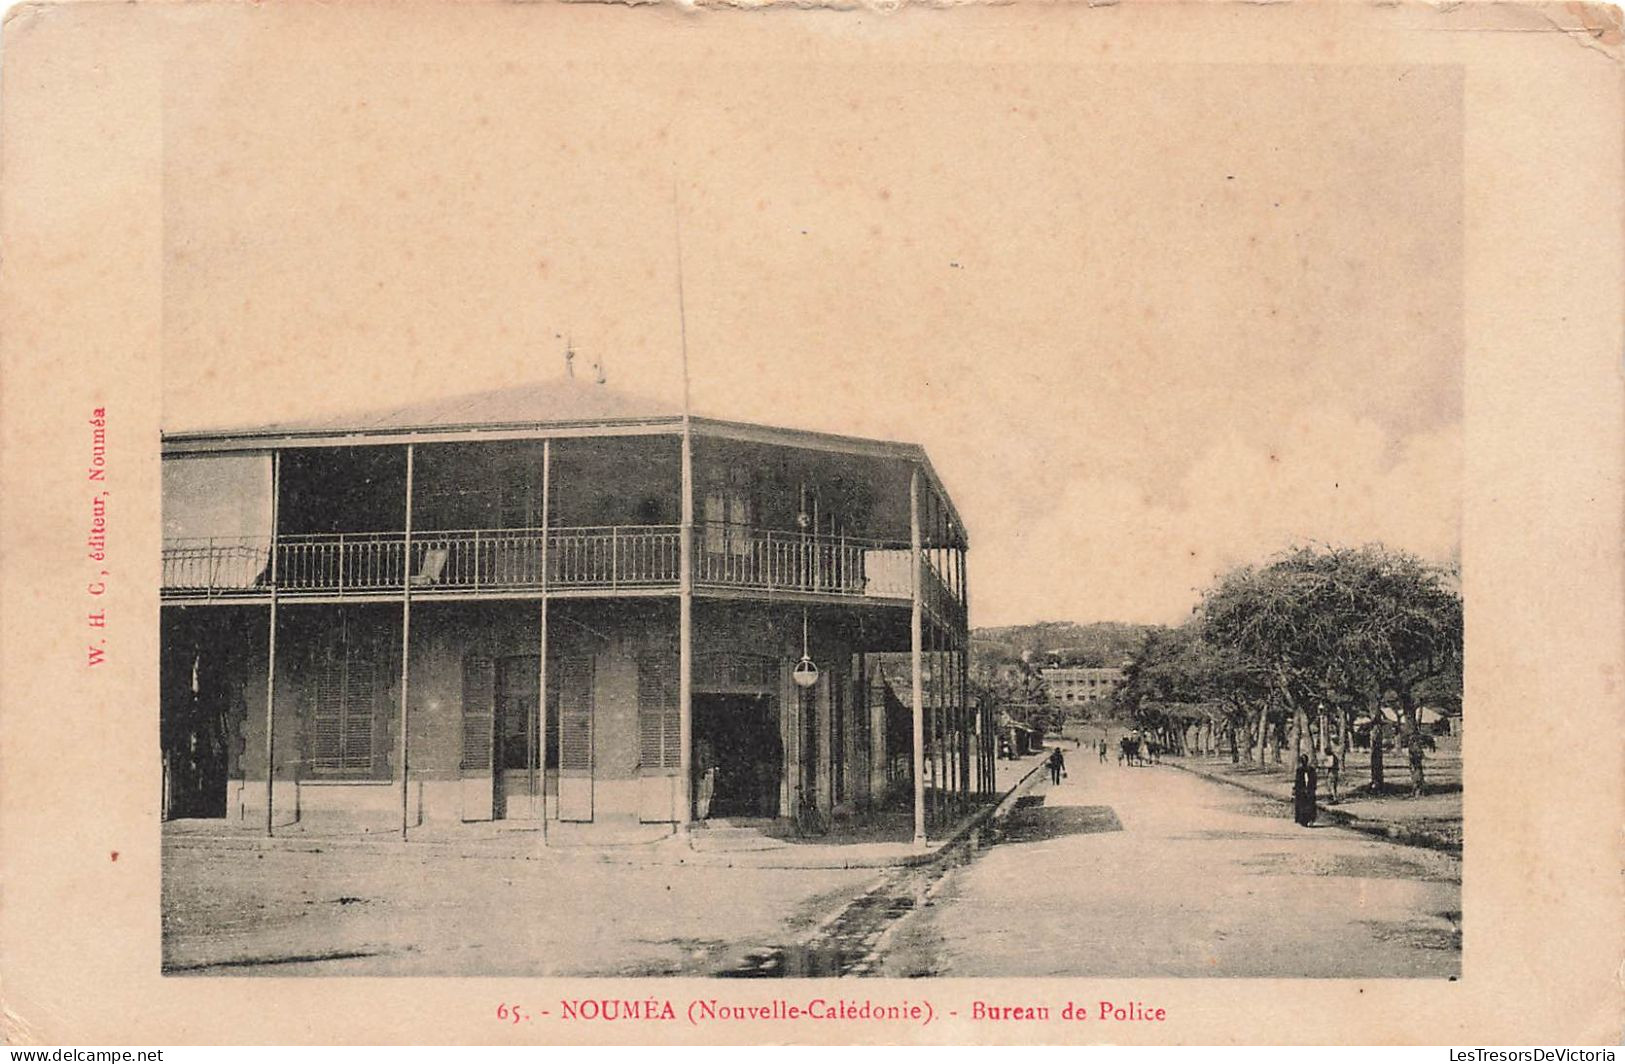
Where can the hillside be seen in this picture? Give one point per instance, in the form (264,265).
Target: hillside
(1102,643)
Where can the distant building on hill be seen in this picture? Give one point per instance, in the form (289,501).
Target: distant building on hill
(1077,685)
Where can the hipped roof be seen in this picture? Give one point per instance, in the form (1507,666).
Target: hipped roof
(564,401)
(559,407)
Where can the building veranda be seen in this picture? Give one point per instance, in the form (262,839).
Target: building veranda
(559,603)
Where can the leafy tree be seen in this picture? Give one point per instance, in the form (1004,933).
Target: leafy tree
(1404,636)
(1278,625)
(1340,627)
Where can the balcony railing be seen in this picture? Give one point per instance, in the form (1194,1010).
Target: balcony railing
(606,557)
(769,560)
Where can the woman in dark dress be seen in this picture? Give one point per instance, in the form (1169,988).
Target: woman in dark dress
(1303,792)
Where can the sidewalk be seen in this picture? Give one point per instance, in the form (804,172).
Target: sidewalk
(885,840)
(1432,821)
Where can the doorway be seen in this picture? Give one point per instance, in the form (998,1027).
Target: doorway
(198,695)
(518,754)
(195,760)
(736,736)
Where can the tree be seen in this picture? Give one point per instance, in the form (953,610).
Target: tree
(1278,625)
(1406,637)
(1319,627)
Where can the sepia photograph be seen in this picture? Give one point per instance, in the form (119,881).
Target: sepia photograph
(991,519)
(761,524)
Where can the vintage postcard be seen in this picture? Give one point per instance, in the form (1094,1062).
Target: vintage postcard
(1023,523)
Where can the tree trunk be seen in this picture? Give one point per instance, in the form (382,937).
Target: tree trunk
(1263,731)
(1376,750)
(1346,737)
(1235,754)
(1413,748)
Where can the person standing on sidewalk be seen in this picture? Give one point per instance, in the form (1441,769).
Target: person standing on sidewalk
(1415,741)
(1303,792)
(1057,766)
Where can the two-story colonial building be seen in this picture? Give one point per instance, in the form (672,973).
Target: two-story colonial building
(1074,684)
(561,603)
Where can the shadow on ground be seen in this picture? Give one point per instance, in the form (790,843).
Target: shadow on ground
(1040,823)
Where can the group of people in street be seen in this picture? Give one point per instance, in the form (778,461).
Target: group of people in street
(1311,773)
(1137,749)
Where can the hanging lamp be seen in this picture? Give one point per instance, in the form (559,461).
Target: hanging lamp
(805,674)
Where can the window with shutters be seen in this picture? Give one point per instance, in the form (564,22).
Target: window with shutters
(658,745)
(727,511)
(343,694)
(479,710)
(574,710)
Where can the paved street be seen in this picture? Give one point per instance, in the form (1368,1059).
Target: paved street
(1136,872)
(380,909)
(1130,872)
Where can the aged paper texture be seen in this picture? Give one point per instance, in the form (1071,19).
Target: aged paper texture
(734,388)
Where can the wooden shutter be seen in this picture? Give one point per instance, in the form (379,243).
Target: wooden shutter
(479,708)
(575,677)
(327,713)
(573,682)
(359,697)
(342,694)
(657,710)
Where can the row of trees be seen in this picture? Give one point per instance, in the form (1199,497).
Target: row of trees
(1317,641)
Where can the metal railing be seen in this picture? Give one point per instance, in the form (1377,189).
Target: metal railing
(772,560)
(607,557)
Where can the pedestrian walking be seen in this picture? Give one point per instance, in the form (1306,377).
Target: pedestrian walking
(1303,791)
(1057,766)
(1102,751)
(1333,769)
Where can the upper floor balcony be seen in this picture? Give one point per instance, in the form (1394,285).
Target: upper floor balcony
(560,488)
(523,562)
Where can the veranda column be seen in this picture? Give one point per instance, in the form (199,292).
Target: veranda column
(933,726)
(541,650)
(964,671)
(915,666)
(933,648)
(879,755)
(943,657)
(406,636)
(685,638)
(270,656)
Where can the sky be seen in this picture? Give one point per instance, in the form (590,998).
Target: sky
(1149,323)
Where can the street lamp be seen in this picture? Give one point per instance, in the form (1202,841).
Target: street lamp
(805,674)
